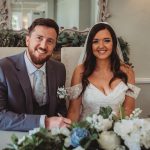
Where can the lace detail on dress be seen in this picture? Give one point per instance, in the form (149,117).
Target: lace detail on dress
(93,99)
(133,91)
(74,91)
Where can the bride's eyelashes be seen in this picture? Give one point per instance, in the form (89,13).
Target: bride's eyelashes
(95,41)
(105,40)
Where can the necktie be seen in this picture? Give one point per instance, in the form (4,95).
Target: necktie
(38,86)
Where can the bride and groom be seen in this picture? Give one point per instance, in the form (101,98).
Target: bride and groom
(102,79)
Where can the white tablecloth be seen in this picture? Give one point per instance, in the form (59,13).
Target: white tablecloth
(5,137)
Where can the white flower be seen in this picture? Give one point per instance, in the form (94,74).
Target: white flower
(109,140)
(35,130)
(62,93)
(145,139)
(106,125)
(89,119)
(79,148)
(133,141)
(135,113)
(121,147)
(129,130)
(145,134)
(67,141)
(21,140)
(99,123)
(56,130)
(65,131)
(126,127)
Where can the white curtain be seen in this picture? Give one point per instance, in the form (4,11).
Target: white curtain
(103,12)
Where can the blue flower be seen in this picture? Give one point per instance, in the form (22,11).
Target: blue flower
(77,135)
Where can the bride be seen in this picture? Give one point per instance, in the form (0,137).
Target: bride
(102,79)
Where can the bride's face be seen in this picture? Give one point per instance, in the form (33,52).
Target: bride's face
(102,44)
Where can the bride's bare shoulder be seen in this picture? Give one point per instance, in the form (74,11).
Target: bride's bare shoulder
(77,74)
(79,69)
(128,70)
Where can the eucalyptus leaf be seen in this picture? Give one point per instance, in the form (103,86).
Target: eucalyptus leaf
(105,112)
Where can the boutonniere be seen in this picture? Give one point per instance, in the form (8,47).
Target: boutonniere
(62,93)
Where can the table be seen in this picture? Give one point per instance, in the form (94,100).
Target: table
(5,137)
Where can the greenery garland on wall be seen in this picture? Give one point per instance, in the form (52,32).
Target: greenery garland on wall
(10,38)
(66,38)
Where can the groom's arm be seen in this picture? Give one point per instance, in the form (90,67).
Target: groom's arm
(10,120)
(17,122)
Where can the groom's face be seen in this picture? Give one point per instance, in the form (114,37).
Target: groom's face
(41,43)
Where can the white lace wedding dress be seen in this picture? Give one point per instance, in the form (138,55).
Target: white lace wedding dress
(93,98)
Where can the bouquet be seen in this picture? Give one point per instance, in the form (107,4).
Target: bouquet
(100,131)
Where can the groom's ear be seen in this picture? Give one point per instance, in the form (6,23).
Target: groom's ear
(27,40)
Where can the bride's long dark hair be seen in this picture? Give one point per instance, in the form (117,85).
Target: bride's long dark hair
(90,60)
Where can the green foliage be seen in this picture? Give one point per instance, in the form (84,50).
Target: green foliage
(10,38)
(71,40)
(125,50)
(105,111)
(121,112)
(42,140)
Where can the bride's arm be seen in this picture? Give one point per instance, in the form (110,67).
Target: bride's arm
(75,104)
(129,103)
(74,110)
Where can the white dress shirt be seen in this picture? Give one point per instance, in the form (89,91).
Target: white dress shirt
(31,69)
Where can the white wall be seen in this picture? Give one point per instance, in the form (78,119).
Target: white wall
(50,13)
(74,13)
(84,14)
(94,11)
(68,13)
(143,100)
(131,20)
(9,51)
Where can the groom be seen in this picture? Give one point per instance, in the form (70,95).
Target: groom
(22,107)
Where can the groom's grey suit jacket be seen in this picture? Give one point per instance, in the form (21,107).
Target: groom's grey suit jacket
(16,97)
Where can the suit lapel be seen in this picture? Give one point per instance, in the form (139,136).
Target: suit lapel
(51,83)
(25,82)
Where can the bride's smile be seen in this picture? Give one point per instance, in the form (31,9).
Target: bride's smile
(102,44)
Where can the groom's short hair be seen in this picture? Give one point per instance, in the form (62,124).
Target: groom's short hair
(44,22)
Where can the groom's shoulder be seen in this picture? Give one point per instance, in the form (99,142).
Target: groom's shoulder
(55,63)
